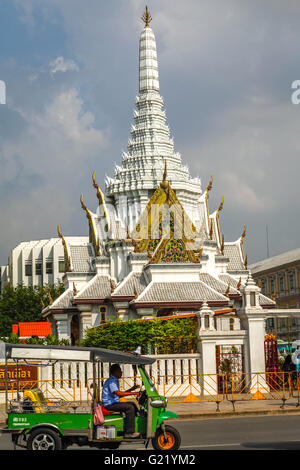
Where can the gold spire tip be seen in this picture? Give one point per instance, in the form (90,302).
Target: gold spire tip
(146,17)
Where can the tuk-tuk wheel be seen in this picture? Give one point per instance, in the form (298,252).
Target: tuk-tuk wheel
(44,439)
(169,439)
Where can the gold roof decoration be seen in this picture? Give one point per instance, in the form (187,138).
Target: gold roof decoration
(222,245)
(147,18)
(244,232)
(164,230)
(242,248)
(218,234)
(74,289)
(221,205)
(92,231)
(112,285)
(206,201)
(239,284)
(227,290)
(66,252)
(210,183)
(100,197)
(50,298)
(164,183)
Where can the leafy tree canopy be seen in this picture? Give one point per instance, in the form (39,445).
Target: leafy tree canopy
(25,304)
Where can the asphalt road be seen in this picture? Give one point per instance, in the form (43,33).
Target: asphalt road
(255,433)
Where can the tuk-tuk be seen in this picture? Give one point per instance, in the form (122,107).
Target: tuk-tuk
(40,424)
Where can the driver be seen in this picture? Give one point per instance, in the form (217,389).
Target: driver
(111,395)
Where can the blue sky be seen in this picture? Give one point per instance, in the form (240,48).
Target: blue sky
(226,69)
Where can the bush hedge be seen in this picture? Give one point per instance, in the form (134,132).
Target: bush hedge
(157,336)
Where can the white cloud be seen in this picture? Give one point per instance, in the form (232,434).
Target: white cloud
(62,65)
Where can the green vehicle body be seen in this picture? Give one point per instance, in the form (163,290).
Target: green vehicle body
(72,427)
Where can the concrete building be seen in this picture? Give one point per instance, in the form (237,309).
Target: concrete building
(37,263)
(279,278)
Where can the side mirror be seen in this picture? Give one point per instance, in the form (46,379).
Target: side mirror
(157,403)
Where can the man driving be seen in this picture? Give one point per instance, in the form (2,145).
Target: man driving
(111,395)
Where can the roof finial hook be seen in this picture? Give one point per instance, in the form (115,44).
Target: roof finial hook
(146,17)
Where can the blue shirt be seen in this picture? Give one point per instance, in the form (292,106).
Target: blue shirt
(109,387)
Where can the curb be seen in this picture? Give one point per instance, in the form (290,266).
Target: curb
(236,414)
(224,414)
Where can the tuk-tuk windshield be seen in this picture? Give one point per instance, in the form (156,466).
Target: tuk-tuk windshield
(145,375)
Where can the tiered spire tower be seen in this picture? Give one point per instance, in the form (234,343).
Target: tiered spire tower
(150,143)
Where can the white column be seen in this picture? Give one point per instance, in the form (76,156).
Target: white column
(85,323)
(63,329)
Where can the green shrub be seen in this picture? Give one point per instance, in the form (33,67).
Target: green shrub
(175,335)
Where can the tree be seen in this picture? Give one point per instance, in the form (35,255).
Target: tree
(25,304)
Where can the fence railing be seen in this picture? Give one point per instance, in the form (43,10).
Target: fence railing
(214,388)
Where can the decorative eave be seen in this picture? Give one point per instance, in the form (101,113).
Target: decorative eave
(93,232)
(193,304)
(149,225)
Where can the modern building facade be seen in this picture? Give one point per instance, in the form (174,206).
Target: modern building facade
(36,263)
(279,278)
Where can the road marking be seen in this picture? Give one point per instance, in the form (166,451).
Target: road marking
(211,445)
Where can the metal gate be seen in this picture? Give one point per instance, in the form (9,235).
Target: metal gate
(230,367)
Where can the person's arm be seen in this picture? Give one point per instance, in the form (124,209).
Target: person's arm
(125,394)
(114,389)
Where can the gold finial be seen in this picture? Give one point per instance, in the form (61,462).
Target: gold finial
(239,284)
(164,183)
(210,183)
(99,192)
(222,245)
(227,290)
(244,232)
(211,229)
(146,17)
(112,285)
(74,289)
(82,203)
(221,205)
(50,298)
(246,262)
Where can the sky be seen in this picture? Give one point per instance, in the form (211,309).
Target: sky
(226,70)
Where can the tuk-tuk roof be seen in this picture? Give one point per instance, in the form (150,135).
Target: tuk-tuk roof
(70,353)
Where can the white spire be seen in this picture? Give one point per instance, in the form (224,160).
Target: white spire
(148,66)
(150,143)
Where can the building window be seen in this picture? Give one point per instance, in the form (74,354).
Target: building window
(231,324)
(103,311)
(263,287)
(272,285)
(252,299)
(291,277)
(28,270)
(49,267)
(294,322)
(271,322)
(281,284)
(61,266)
(283,323)
(38,268)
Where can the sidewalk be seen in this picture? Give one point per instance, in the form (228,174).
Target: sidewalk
(205,410)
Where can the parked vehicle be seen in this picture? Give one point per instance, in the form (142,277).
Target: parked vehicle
(38,423)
